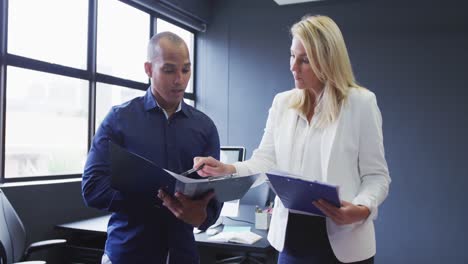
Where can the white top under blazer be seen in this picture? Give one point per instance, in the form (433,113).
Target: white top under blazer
(352,157)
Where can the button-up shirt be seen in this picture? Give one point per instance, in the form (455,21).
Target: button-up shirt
(305,149)
(138,231)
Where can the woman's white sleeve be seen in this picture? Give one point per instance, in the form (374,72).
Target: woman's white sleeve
(373,169)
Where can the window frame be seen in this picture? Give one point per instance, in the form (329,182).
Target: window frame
(90,74)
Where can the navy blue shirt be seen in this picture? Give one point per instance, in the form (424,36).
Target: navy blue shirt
(138,230)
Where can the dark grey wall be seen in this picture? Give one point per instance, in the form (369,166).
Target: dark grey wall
(412,54)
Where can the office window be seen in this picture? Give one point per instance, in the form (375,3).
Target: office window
(49,30)
(189,102)
(109,95)
(66,63)
(46,124)
(123,34)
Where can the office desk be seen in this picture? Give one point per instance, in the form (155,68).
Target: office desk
(96,225)
(210,250)
(87,237)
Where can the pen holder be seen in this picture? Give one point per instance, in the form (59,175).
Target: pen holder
(262,220)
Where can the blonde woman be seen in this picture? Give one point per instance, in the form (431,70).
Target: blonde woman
(329,129)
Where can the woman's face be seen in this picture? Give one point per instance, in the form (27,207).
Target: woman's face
(304,76)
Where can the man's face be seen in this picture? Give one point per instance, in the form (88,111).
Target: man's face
(169,73)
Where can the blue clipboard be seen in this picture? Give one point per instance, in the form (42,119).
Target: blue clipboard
(298,194)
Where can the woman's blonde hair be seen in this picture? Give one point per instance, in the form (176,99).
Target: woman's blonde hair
(329,59)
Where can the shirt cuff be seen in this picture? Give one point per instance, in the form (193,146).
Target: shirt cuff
(241,169)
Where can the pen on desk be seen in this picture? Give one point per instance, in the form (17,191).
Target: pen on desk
(192,170)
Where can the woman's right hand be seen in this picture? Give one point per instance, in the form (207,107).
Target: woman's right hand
(212,167)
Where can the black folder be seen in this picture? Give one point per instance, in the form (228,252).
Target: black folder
(134,174)
(297,194)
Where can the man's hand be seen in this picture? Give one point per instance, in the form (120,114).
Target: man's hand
(190,211)
(348,213)
(212,167)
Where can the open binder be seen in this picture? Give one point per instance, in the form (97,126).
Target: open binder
(134,174)
(298,194)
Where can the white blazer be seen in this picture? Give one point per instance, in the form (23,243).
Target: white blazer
(352,157)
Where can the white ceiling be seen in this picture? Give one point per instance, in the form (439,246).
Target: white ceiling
(288,2)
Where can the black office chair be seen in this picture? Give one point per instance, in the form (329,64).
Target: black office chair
(13,237)
(259,196)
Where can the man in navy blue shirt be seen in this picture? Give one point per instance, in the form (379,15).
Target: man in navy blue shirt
(170,133)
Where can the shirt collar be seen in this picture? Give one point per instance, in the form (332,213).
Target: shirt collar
(150,103)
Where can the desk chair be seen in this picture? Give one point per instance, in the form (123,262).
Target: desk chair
(13,237)
(258,196)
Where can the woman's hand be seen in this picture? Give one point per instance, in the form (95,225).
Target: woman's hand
(212,167)
(348,213)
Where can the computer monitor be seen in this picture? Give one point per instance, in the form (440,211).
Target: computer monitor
(231,154)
